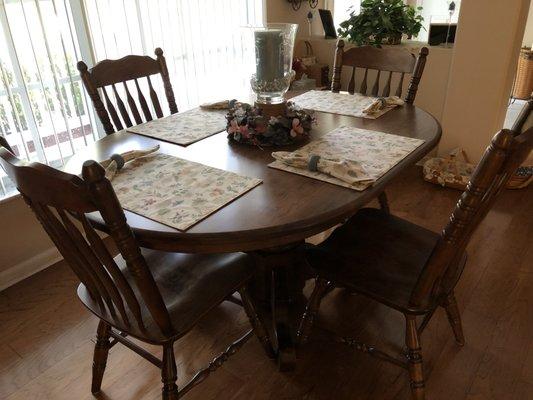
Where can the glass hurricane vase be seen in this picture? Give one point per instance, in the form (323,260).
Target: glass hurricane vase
(274,46)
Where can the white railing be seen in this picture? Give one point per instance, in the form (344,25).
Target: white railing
(45,113)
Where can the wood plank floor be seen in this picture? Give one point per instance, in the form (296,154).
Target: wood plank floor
(46,335)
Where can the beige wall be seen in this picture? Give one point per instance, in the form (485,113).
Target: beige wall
(489,38)
(528,34)
(24,246)
(281,11)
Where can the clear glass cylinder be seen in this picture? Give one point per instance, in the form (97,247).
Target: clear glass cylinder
(274,46)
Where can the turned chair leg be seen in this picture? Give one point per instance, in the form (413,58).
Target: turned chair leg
(384,202)
(101,350)
(454,317)
(311,310)
(255,321)
(169,373)
(414,358)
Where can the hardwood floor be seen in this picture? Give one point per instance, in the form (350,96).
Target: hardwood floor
(46,334)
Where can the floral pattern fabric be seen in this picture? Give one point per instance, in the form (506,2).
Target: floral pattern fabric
(376,152)
(177,192)
(339,103)
(184,128)
(448,172)
(348,171)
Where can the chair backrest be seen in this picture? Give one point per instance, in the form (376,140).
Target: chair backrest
(525,118)
(129,68)
(507,151)
(61,202)
(385,60)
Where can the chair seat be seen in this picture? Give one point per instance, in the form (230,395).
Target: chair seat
(376,254)
(190,285)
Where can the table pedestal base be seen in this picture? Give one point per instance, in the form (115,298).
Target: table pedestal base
(278,292)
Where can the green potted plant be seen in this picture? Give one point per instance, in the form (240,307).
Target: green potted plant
(381,22)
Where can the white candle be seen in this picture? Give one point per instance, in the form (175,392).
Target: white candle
(269,54)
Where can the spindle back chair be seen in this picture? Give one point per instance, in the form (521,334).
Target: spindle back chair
(124,292)
(383,60)
(127,69)
(506,152)
(59,199)
(407,267)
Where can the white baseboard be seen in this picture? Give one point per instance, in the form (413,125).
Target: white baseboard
(29,267)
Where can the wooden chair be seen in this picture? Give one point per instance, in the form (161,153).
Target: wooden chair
(129,68)
(154,296)
(407,267)
(390,61)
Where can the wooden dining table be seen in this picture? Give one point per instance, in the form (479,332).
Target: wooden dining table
(271,221)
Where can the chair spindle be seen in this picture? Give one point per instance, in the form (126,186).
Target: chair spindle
(133,106)
(386,89)
(375,88)
(122,284)
(122,108)
(112,111)
(364,83)
(155,100)
(143,103)
(351,84)
(399,90)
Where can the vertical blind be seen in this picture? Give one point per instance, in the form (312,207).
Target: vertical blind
(45,113)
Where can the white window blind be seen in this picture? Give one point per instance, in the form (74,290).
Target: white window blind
(45,113)
(43,108)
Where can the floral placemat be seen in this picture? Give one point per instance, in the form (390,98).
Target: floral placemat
(184,128)
(338,103)
(177,192)
(376,152)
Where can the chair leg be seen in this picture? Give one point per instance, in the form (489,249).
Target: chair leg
(101,350)
(384,202)
(169,373)
(414,358)
(255,321)
(454,317)
(311,310)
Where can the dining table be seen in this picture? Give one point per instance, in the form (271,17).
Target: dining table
(272,221)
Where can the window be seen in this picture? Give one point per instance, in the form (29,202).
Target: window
(45,113)
(436,11)
(43,108)
(433,11)
(342,10)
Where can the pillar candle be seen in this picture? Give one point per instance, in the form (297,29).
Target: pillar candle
(269,54)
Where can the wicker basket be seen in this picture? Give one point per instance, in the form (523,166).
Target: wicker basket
(522,178)
(523,84)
